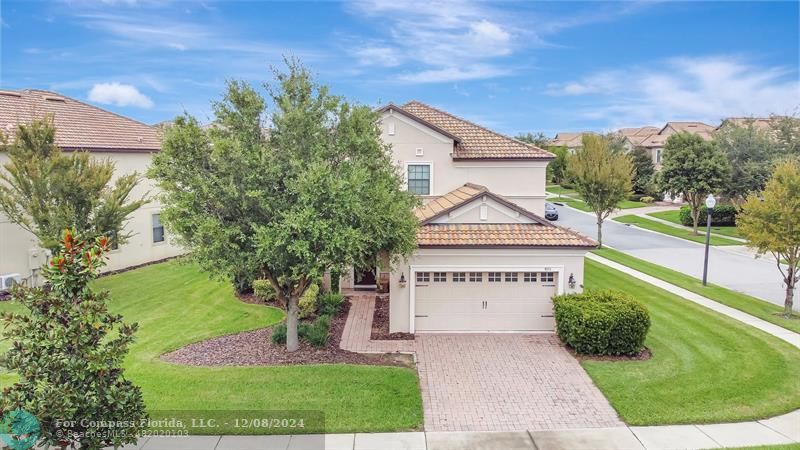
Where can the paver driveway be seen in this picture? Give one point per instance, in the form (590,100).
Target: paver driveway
(506,382)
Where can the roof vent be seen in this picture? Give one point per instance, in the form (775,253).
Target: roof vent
(139,138)
(10,93)
(54,98)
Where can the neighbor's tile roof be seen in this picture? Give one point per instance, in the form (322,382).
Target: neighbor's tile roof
(701,129)
(499,235)
(452,199)
(78,125)
(569,139)
(475,141)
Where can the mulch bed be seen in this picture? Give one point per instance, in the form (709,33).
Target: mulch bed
(380,323)
(644,355)
(255,348)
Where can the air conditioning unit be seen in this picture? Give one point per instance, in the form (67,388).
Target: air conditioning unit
(7,281)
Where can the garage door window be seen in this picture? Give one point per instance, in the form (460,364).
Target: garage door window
(439,277)
(494,277)
(511,277)
(529,277)
(475,277)
(459,277)
(423,277)
(547,277)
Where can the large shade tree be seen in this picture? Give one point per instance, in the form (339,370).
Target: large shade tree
(602,176)
(693,167)
(46,191)
(315,191)
(644,171)
(770,221)
(750,152)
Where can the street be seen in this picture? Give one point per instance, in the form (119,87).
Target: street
(757,277)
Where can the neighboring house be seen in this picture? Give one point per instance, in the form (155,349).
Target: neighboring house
(79,126)
(655,141)
(572,141)
(632,137)
(486,259)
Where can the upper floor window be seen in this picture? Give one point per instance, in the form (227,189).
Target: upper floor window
(658,156)
(158,229)
(419,179)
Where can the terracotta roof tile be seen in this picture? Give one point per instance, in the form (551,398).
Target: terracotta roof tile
(78,125)
(541,233)
(475,141)
(499,235)
(451,200)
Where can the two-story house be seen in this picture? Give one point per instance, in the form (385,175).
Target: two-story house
(486,258)
(81,127)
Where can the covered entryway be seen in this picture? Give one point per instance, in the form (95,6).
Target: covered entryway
(482,301)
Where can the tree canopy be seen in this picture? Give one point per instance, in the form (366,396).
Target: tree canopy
(644,171)
(693,167)
(538,139)
(315,191)
(46,191)
(750,153)
(770,221)
(601,175)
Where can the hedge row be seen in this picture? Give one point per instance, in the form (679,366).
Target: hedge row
(601,322)
(722,215)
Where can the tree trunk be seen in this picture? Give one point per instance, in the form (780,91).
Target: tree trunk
(695,218)
(292,340)
(599,232)
(788,303)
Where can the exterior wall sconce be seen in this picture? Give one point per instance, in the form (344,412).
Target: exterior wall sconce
(402,281)
(571,281)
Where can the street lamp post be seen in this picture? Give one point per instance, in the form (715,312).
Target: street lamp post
(711,202)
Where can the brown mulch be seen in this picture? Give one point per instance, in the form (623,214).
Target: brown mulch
(643,355)
(380,323)
(255,348)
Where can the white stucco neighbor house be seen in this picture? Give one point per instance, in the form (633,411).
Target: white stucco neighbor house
(127,143)
(486,258)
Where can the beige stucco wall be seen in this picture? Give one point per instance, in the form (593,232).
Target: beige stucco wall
(17,244)
(522,182)
(567,261)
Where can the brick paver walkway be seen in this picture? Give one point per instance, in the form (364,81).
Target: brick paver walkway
(358,328)
(506,382)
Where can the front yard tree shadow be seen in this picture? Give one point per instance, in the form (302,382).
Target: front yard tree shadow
(314,191)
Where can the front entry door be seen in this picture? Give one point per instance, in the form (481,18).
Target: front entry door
(365,278)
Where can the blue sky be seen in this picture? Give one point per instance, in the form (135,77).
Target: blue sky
(512,66)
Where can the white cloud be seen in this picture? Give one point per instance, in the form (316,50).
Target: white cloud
(378,55)
(448,74)
(119,94)
(708,88)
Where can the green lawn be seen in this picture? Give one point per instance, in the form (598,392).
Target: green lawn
(674,217)
(556,189)
(573,199)
(663,228)
(705,367)
(175,304)
(743,302)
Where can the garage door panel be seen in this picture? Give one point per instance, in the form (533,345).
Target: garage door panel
(497,305)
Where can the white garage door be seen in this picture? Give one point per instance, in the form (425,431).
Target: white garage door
(484,301)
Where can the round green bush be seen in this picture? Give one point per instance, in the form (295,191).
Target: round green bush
(603,322)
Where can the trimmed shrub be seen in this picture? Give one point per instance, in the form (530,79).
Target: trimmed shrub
(330,302)
(723,215)
(263,290)
(316,333)
(307,304)
(647,199)
(279,334)
(601,322)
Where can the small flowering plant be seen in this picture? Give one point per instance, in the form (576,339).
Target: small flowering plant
(68,349)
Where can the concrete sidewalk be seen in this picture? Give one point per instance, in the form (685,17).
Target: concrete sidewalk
(776,431)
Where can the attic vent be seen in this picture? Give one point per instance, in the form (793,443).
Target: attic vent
(54,98)
(11,93)
(391,128)
(692,126)
(419,151)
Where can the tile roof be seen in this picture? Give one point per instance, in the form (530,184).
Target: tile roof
(540,233)
(78,125)
(449,201)
(701,129)
(570,139)
(499,235)
(474,141)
